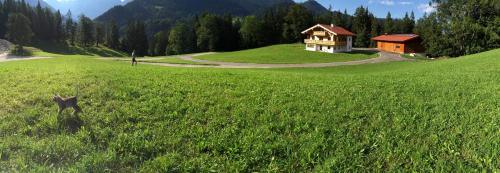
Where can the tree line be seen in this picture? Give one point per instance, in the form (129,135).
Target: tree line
(457,27)
(22,23)
(460,27)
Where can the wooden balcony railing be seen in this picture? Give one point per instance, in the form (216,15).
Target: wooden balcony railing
(319,33)
(323,42)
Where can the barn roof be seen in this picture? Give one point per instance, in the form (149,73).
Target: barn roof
(332,28)
(396,37)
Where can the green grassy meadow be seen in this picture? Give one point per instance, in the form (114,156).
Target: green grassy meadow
(422,116)
(286,54)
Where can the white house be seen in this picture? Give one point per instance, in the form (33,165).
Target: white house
(328,38)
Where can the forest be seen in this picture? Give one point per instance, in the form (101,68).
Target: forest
(457,27)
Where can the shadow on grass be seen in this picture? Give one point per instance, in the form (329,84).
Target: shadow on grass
(22,52)
(65,49)
(70,123)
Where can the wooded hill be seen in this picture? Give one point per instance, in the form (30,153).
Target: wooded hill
(160,14)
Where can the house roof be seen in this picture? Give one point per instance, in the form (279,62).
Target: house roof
(396,37)
(331,28)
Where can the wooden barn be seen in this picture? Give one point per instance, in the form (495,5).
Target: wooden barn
(399,43)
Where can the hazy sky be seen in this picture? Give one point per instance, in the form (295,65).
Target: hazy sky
(380,7)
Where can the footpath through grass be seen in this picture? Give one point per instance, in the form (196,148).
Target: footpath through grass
(418,116)
(173,60)
(286,54)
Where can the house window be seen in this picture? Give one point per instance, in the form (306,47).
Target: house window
(328,47)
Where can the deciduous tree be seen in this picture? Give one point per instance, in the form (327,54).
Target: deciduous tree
(182,39)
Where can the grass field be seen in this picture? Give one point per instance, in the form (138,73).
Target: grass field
(438,116)
(286,54)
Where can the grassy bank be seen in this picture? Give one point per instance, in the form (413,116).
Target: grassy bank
(286,54)
(56,49)
(420,116)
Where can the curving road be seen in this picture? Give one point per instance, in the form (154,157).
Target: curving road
(6,57)
(383,57)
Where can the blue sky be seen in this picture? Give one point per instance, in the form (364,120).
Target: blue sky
(379,8)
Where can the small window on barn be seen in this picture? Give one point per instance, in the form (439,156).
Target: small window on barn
(397,46)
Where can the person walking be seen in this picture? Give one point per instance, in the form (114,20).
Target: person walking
(134,61)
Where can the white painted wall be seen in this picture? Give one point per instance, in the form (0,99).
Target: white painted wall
(349,44)
(332,49)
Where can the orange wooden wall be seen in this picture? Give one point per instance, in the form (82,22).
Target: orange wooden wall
(391,47)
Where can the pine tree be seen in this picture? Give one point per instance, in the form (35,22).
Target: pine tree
(58,27)
(272,23)
(136,38)
(375,30)
(297,20)
(70,28)
(49,30)
(99,34)
(159,43)
(19,30)
(347,20)
(362,26)
(3,20)
(407,25)
(112,35)
(389,24)
(85,31)
(39,22)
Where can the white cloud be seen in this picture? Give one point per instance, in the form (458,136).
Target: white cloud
(387,2)
(390,2)
(406,3)
(427,8)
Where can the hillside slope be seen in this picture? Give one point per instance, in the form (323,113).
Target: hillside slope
(172,9)
(390,117)
(91,8)
(314,7)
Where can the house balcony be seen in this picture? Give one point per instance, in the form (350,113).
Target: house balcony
(319,33)
(323,42)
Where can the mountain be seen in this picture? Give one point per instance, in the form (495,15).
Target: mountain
(162,14)
(90,8)
(314,7)
(154,10)
(34,3)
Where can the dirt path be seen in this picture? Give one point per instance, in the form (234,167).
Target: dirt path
(5,57)
(383,57)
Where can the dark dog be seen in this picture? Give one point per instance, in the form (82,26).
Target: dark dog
(64,103)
